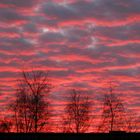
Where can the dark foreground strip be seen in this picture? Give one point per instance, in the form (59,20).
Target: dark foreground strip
(68,136)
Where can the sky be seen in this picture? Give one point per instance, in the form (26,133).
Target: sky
(82,43)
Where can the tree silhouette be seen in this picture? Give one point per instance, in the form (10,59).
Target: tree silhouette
(30,108)
(77,111)
(113,115)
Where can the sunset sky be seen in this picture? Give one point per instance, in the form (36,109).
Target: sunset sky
(82,43)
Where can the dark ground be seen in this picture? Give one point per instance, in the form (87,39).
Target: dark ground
(68,136)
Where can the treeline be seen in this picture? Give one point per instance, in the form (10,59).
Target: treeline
(31,111)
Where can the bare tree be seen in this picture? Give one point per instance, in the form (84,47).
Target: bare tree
(77,113)
(113,115)
(30,108)
(21,109)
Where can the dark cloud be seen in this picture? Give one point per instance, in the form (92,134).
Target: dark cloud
(30,28)
(19,3)
(10,15)
(59,11)
(102,10)
(52,37)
